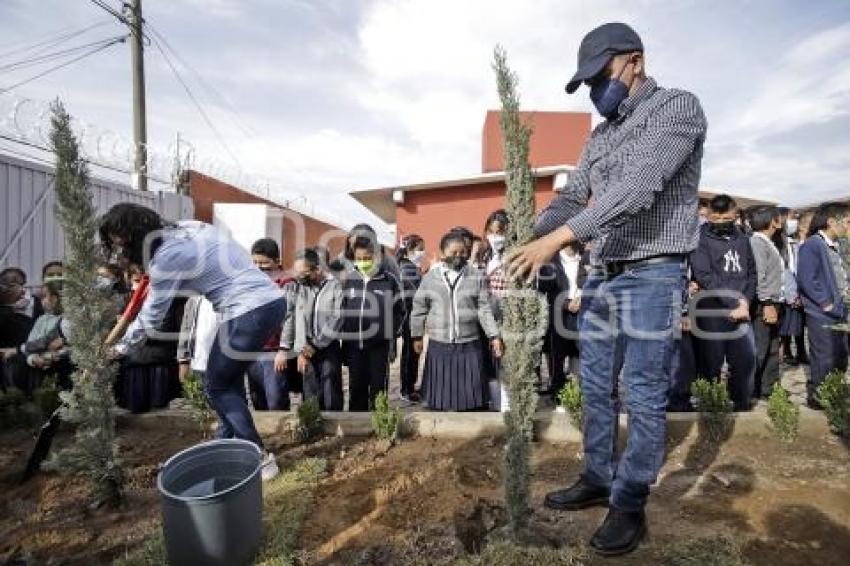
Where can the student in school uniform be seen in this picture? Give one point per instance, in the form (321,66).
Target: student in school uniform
(16,321)
(766,310)
(495,232)
(452,302)
(373,315)
(562,281)
(411,258)
(312,330)
(45,350)
(724,269)
(268,387)
(793,319)
(822,280)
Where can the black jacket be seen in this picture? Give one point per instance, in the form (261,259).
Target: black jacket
(159,351)
(410,280)
(724,263)
(553,281)
(373,310)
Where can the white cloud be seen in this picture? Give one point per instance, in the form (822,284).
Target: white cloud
(807,87)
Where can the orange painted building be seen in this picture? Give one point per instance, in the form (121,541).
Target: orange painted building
(557,139)
(299,230)
(431,209)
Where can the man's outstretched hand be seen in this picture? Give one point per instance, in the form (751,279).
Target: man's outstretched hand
(525,262)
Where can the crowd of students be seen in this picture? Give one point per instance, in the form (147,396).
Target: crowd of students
(760,279)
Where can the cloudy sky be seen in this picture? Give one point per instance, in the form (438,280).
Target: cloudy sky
(320,97)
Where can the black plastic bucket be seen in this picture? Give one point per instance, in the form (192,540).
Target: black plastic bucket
(212,504)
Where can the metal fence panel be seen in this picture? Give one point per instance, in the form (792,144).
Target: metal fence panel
(30,235)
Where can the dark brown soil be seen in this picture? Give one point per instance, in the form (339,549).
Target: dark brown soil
(48,519)
(438,499)
(781,504)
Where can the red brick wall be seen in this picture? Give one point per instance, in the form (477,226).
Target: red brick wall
(299,230)
(431,213)
(557,139)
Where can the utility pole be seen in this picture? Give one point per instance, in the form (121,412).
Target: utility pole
(140,130)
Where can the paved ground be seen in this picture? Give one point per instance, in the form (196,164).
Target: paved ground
(793,379)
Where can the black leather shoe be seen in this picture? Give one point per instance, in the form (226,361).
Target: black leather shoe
(620,533)
(580,496)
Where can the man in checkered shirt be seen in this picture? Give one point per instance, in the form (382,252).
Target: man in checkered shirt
(634,194)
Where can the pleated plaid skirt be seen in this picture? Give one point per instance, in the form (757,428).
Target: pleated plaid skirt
(453,379)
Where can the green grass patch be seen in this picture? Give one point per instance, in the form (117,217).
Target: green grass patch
(718,551)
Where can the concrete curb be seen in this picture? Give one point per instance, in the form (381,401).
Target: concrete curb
(549,426)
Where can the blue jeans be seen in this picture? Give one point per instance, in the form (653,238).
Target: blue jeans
(631,322)
(244,337)
(269,389)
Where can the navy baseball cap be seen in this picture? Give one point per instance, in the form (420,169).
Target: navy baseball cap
(599,46)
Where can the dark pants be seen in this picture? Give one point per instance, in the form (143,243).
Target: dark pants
(683,371)
(558,349)
(800,345)
(269,389)
(323,378)
(767,353)
(738,349)
(368,372)
(409,364)
(243,337)
(827,351)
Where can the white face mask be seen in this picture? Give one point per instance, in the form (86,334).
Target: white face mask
(417,257)
(497,241)
(791,226)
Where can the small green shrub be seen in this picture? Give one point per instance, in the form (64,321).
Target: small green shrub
(784,415)
(711,399)
(834,395)
(569,397)
(310,421)
(199,406)
(386,422)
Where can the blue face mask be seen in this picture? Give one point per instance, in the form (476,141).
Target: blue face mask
(608,94)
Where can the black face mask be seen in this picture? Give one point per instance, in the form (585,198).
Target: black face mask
(305,280)
(456,262)
(723,228)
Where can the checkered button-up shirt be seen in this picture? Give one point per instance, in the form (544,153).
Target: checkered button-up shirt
(640,174)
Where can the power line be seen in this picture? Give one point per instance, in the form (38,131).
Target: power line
(55,54)
(197,104)
(111,11)
(210,88)
(65,64)
(54,40)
